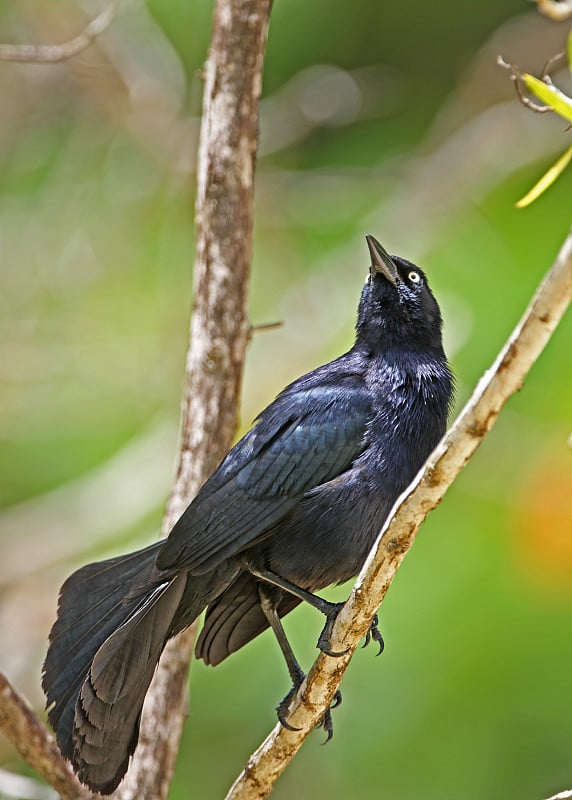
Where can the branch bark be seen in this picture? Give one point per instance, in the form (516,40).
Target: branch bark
(218,338)
(36,745)
(219,331)
(502,380)
(56,53)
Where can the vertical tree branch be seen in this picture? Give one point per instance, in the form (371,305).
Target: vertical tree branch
(219,334)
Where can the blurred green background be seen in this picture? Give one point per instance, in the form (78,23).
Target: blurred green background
(383,118)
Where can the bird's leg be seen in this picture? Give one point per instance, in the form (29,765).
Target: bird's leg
(330,610)
(297,675)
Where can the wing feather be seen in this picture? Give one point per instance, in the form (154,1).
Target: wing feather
(300,441)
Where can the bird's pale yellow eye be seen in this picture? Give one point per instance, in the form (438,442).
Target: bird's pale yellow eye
(414,277)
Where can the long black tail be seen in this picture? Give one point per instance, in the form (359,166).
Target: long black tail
(114,618)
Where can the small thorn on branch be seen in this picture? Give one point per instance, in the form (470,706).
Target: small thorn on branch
(267,326)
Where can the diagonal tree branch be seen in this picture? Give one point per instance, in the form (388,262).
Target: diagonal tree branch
(36,744)
(56,53)
(502,380)
(220,332)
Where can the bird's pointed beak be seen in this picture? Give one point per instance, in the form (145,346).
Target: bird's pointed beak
(381,261)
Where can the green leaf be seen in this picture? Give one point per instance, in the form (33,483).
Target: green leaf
(547,179)
(550,95)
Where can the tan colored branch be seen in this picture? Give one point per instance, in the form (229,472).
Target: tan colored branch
(503,379)
(555,9)
(55,53)
(32,740)
(219,335)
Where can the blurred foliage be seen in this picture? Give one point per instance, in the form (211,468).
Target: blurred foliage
(552,100)
(375,118)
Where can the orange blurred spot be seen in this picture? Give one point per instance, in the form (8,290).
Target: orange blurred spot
(544,524)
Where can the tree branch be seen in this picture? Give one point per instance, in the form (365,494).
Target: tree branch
(55,53)
(219,335)
(32,740)
(503,379)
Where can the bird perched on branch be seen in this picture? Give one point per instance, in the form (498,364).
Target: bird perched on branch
(294,507)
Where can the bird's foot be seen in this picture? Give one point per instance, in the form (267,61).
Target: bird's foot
(331,612)
(283,709)
(326,721)
(375,634)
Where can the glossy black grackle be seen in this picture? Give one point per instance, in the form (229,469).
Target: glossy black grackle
(294,506)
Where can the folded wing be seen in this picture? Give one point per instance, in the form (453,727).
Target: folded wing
(304,438)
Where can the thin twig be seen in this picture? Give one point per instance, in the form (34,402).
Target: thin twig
(516,78)
(502,380)
(265,326)
(56,53)
(552,63)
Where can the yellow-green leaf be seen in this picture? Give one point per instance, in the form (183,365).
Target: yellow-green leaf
(550,95)
(547,179)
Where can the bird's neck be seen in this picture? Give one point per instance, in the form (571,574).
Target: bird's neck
(410,376)
(412,358)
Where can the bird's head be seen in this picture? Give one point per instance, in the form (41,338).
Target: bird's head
(397,308)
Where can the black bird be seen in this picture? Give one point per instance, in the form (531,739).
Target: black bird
(295,506)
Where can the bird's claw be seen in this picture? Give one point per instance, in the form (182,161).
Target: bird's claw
(326,722)
(375,634)
(336,700)
(283,709)
(324,640)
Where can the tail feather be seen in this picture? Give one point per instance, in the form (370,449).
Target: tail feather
(114,619)
(91,607)
(106,721)
(234,618)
